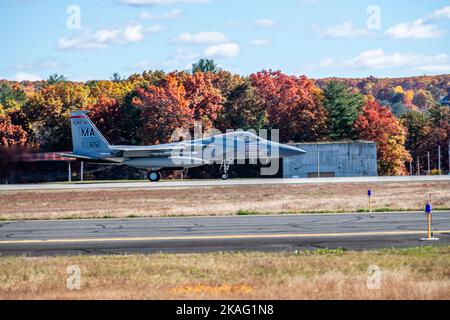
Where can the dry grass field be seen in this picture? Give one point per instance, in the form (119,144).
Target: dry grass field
(345,197)
(405,274)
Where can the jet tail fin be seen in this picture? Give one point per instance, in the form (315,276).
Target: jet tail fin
(86,138)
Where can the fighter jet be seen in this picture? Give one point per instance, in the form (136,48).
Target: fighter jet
(90,146)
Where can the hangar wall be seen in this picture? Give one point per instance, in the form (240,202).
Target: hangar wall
(333,159)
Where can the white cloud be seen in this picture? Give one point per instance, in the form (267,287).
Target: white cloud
(227,50)
(265,22)
(171,15)
(185,54)
(326,63)
(169,64)
(231,24)
(439,14)
(203,37)
(153,29)
(346,30)
(105,37)
(159,2)
(144,64)
(445,68)
(418,29)
(378,59)
(24,76)
(261,42)
(45,63)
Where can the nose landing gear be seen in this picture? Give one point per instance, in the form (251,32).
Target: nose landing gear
(154,176)
(226,166)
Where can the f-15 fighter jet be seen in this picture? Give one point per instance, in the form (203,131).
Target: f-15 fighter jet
(90,146)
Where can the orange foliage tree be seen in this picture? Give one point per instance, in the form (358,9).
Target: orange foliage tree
(11,135)
(203,98)
(377,123)
(164,109)
(293,105)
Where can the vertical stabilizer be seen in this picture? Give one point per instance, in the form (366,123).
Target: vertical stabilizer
(86,138)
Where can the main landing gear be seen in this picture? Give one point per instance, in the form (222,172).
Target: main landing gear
(154,176)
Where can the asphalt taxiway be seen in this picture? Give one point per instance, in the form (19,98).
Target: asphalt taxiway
(353,231)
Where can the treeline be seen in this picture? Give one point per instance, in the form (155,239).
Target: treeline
(405,117)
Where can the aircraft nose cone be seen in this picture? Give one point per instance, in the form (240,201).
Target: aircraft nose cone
(290,151)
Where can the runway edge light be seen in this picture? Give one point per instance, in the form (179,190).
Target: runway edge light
(428,211)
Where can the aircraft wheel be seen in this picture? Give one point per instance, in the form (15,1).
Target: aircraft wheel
(154,176)
(225,176)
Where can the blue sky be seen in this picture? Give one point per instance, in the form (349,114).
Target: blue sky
(319,38)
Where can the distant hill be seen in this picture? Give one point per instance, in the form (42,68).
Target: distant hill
(401,94)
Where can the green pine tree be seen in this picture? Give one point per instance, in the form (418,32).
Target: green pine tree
(343,108)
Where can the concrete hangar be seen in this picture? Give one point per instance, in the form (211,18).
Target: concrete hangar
(333,159)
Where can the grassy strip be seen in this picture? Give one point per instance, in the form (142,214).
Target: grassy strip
(414,273)
(379,210)
(238,213)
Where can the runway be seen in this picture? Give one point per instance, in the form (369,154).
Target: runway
(215,183)
(211,234)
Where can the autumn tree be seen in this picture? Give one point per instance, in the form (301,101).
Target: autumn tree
(114,90)
(226,82)
(12,99)
(292,104)
(203,98)
(49,113)
(241,109)
(424,100)
(343,108)
(118,122)
(11,96)
(147,78)
(11,135)
(377,123)
(164,109)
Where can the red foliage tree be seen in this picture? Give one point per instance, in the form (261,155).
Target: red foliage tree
(377,123)
(292,104)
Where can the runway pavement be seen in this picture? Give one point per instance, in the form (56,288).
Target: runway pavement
(210,234)
(212,183)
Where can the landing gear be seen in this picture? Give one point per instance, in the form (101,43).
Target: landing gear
(154,176)
(225,167)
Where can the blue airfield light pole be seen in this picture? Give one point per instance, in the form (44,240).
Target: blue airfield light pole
(428,211)
(369,194)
